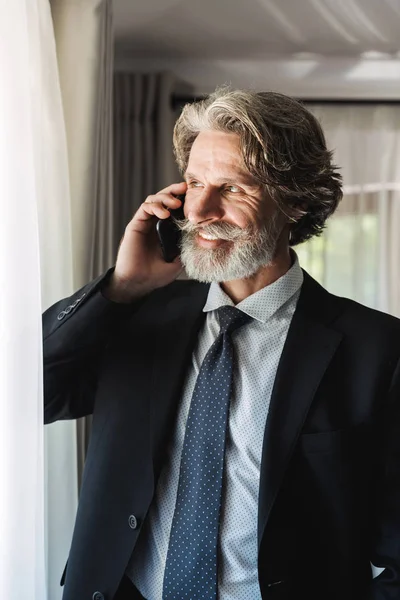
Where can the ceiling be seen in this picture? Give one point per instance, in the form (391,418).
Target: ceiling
(256,29)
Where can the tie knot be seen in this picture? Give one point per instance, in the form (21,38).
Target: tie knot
(231,318)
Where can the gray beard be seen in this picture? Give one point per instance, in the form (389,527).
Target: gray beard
(248,251)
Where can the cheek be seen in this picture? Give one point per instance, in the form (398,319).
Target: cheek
(193,197)
(243,216)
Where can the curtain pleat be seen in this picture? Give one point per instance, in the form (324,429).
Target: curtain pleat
(143,127)
(85,51)
(102,237)
(102,227)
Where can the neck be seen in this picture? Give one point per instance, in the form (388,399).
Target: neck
(239,289)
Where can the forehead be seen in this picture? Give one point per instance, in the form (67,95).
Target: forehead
(217,152)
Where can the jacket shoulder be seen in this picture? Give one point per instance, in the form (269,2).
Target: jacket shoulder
(348,315)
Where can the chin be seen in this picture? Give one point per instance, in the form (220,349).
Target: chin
(217,272)
(225,263)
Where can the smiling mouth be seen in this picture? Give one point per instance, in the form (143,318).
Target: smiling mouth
(204,240)
(205,236)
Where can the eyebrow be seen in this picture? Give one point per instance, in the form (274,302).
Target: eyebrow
(242,178)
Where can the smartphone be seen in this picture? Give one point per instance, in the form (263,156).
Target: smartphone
(168,233)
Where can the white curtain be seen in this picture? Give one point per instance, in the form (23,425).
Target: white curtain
(36,270)
(84,42)
(359,253)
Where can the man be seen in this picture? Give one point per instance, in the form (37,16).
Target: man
(245,422)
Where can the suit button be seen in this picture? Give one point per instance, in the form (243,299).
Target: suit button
(133,523)
(98,596)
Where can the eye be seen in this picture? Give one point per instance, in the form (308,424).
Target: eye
(194,184)
(232,188)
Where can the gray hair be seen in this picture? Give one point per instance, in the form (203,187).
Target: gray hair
(282,145)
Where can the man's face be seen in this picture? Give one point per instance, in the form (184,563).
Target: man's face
(233,226)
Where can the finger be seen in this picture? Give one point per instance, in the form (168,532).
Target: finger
(164,200)
(155,209)
(156,206)
(175,188)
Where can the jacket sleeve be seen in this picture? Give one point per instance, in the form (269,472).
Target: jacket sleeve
(386,548)
(76,331)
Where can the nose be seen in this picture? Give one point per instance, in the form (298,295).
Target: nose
(203,208)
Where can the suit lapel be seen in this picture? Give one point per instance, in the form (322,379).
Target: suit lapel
(180,322)
(308,350)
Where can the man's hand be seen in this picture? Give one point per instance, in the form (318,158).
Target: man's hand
(140,267)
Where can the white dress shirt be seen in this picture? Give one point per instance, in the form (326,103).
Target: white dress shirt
(257,350)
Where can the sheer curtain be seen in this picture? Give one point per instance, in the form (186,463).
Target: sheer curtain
(35,270)
(85,51)
(359,253)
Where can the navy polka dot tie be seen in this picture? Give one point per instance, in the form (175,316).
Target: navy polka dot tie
(191,565)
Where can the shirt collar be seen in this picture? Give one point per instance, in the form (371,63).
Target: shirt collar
(264,303)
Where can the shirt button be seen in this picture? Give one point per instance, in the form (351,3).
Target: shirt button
(98,596)
(133,523)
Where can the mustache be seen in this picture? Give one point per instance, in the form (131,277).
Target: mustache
(223,231)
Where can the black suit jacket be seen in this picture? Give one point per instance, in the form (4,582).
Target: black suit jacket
(329,499)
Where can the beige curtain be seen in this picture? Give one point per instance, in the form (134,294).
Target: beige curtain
(84,40)
(143,124)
